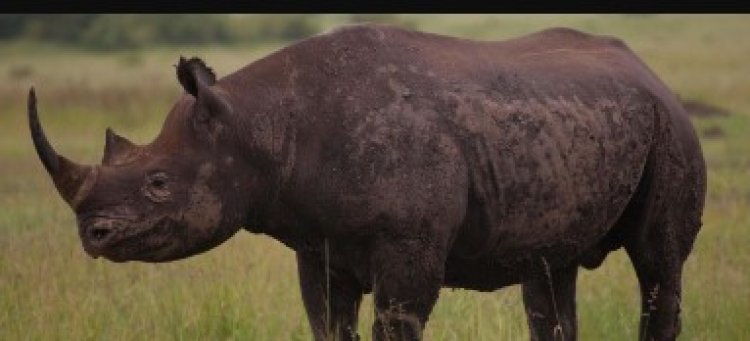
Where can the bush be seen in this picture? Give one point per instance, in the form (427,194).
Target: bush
(11,25)
(48,27)
(390,19)
(128,31)
(124,31)
(264,28)
(113,32)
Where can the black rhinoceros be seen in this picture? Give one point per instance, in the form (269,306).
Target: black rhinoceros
(399,162)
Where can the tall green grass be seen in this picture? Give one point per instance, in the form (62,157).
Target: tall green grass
(247,288)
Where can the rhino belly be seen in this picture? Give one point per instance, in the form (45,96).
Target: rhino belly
(548,181)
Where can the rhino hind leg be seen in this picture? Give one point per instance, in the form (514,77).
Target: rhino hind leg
(550,304)
(661,228)
(332,303)
(660,286)
(656,255)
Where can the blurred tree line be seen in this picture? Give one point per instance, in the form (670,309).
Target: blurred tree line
(126,31)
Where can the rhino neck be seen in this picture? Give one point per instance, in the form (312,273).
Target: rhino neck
(268,142)
(283,223)
(277,100)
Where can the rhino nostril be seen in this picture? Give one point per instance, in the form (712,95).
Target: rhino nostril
(98,234)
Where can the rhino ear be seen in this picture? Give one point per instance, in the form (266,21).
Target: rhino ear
(194,74)
(116,148)
(197,79)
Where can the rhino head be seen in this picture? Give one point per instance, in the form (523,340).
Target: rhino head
(184,193)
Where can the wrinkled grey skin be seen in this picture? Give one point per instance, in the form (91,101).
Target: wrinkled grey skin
(417,161)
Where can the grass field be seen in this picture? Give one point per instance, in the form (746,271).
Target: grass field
(247,288)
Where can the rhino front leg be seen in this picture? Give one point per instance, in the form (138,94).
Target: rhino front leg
(407,276)
(550,304)
(331,297)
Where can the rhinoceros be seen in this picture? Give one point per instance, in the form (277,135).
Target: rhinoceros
(397,162)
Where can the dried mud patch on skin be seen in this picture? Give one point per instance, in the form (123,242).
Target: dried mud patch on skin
(204,208)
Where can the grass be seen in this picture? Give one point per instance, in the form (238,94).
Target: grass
(247,288)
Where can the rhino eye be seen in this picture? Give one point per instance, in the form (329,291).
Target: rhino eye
(158,183)
(157,187)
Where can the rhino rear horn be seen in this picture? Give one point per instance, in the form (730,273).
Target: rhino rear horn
(116,147)
(73,181)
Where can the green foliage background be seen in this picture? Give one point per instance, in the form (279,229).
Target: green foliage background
(127,31)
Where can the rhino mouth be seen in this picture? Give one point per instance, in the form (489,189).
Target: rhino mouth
(121,239)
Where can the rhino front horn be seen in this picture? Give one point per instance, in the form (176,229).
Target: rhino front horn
(72,180)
